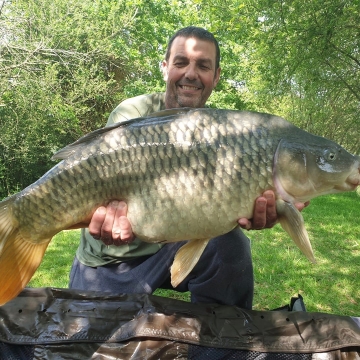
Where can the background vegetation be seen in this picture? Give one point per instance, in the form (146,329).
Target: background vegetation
(64,65)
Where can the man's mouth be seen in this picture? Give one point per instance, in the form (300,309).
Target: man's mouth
(188,87)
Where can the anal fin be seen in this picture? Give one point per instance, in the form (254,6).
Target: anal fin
(185,260)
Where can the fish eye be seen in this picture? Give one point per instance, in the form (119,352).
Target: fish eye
(330,155)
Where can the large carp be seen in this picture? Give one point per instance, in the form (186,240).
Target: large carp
(185,174)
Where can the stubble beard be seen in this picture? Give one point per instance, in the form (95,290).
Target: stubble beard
(180,101)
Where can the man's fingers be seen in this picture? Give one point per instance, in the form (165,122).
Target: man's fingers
(96,222)
(301,206)
(264,215)
(110,224)
(244,223)
(101,224)
(126,230)
(107,226)
(121,232)
(121,210)
(271,214)
(259,218)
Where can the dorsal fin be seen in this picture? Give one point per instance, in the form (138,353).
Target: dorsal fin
(68,150)
(163,115)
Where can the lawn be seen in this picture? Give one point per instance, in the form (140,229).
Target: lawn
(332,285)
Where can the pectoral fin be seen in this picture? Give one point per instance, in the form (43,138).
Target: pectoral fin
(185,260)
(292,222)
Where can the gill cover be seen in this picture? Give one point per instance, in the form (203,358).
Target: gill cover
(303,171)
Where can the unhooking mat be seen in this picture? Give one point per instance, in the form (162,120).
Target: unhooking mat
(49,323)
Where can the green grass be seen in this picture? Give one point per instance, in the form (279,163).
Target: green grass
(331,285)
(281,271)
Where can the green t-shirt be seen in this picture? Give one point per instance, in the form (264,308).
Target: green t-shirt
(92,252)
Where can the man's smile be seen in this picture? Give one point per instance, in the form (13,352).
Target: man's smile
(189,87)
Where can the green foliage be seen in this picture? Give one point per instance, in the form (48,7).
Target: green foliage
(65,65)
(308,63)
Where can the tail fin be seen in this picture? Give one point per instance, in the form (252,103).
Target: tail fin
(19,258)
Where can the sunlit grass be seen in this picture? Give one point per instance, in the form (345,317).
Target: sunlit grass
(55,267)
(332,285)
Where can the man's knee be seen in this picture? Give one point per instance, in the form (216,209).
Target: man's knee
(231,248)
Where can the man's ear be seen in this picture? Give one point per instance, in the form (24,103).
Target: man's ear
(164,70)
(217,76)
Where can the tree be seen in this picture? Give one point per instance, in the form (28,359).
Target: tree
(64,66)
(308,58)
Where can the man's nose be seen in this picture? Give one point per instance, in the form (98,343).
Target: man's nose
(191,72)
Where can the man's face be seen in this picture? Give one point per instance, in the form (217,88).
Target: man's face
(190,73)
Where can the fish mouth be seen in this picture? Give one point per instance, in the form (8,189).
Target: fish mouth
(352,182)
(347,187)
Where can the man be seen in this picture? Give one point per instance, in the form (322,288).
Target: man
(111,260)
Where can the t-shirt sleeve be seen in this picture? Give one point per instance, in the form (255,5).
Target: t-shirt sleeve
(138,106)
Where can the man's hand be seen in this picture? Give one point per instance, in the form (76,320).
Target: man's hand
(110,224)
(265,215)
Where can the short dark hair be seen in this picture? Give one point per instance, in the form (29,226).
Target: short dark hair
(198,33)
